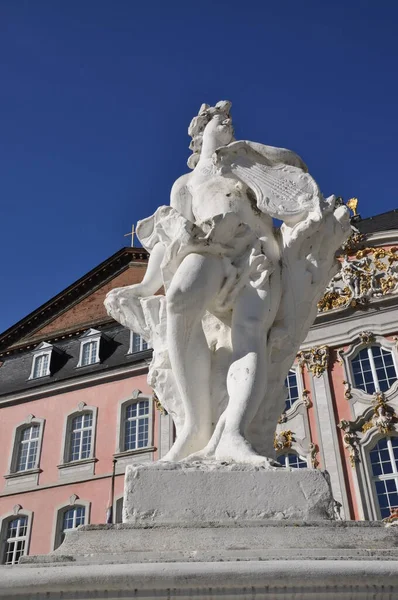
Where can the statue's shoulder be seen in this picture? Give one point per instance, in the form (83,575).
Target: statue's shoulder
(180,196)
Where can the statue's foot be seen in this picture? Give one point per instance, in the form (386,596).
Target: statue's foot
(187,444)
(234,448)
(202,455)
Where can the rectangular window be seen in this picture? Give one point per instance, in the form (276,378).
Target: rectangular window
(28,446)
(137,343)
(384,463)
(15,540)
(81,436)
(40,367)
(292,389)
(136,432)
(89,353)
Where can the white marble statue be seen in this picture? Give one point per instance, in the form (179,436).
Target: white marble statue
(240,294)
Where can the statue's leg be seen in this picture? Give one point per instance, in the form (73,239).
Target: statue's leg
(196,282)
(247,379)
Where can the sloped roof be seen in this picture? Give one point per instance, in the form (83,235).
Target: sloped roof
(383,222)
(102,273)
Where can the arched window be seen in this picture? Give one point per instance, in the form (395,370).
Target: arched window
(78,447)
(292,389)
(28,448)
(373,369)
(15,540)
(384,465)
(292,460)
(15,533)
(136,425)
(25,455)
(81,436)
(69,517)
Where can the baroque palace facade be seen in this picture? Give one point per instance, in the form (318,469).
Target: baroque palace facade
(75,406)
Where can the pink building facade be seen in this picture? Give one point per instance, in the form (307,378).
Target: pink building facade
(75,407)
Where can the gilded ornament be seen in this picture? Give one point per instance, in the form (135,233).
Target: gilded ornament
(158,405)
(383,416)
(347,390)
(314,451)
(366,337)
(305,396)
(352,204)
(372,273)
(282,418)
(350,440)
(316,359)
(283,439)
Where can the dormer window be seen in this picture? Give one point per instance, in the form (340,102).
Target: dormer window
(137,343)
(90,348)
(41,364)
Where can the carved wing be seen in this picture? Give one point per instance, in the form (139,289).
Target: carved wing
(278,177)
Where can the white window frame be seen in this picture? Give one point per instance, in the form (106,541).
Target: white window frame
(367,448)
(292,451)
(92,335)
(373,366)
(28,477)
(124,457)
(44,349)
(84,467)
(81,429)
(16,513)
(142,341)
(297,372)
(352,353)
(61,509)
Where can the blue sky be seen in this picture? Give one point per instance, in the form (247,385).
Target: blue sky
(97,95)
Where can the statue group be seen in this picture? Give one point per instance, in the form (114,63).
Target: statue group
(238,293)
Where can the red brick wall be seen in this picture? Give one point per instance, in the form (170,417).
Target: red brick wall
(91,309)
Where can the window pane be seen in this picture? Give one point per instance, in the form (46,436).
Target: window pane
(386,488)
(363,377)
(15,540)
(81,436)
(136,427)
(385,368)
(292,389)
(28,446)
(296,461)
(89,352)
(292,460)
(73,517)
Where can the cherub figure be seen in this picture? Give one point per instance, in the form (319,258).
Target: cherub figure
(223,266)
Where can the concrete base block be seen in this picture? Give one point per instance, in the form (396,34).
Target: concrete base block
(207,532)
(190,493)
(286,560)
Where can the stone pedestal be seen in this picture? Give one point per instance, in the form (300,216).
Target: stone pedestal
(217,531)
(196,493)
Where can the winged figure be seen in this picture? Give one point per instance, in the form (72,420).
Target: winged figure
(239,293)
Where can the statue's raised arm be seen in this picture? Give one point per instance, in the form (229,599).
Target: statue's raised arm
(239,295)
